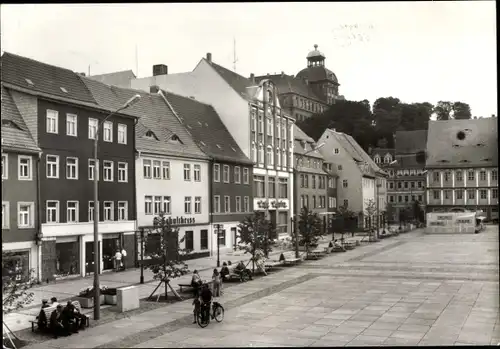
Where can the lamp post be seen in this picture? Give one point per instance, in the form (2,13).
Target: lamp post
(218,227)
(97,305)
(141,280)
(294,218)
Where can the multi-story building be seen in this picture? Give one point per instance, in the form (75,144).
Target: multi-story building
(310,92)
(361,183)
(230,172)
(406,168)
(171,171)
(253,116)
(462,165)
(20,188)
(62,116)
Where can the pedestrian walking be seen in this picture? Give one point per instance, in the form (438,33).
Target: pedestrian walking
(118,260)
(124,257)
(217,279)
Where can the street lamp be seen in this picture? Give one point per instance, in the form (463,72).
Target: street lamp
(218,228)
(97,304)
(295,226)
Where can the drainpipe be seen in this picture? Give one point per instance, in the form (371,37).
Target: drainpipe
(210,204)
(39,220)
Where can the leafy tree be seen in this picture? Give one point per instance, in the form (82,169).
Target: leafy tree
(165,252)
(371,212)
(309,228)
(346,221)
(415,116)
(256,232)
(443,110)
(461,111)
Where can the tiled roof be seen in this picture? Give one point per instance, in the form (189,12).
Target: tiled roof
(303,143)
(37,76)
(287,84)
(478,148)
(382,152)
(317,73)
(15,134)
(207,129)
(154,115)
(120,78)
(237,82)
(407,142)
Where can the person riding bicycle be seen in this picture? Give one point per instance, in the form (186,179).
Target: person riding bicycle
(206,299)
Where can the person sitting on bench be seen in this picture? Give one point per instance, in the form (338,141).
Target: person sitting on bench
(338,246)
(70,320)
(42,319)
(56,323)
(241,269)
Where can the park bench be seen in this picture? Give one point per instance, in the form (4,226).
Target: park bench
(191,288)
(316,253)
(289,258)
(270,264)
(48,312)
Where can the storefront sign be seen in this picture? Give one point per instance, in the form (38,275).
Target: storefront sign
(279,204)
(444,218)
(263,204)
(181,220)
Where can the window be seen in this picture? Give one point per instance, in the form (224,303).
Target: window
(108,131)
(165,167)
(246,204)
(313,181)
(400,185)
(189,240)
(227,204)
(282,222)
(470,175)
(72,168)
(471,194)
(25,210)
(72,211)
(52,211)
(420,198)
(459,194)
(483,194)
(122,134)
(344,183)
(187,172)
(5,167)
(5,215)
(122,172)
(225,174)
(216,204)
(482,175)
(148,204)
(271,187)
(146,164)
(246,176)
(216,173)
(283,188)
(494,193)
(435,176)
(269,156)
(400,198)
(391,198)
(156,169)
(446,194)
(91,211)
(91,169)
(197,204)
(92,128)
(336,151)
(261,154)
(71,125)
(25,167)
(419,184)
(197,173)
(108,210)
(377,159)
(222,237)
(446,176)
(406,198)
(238,204)
(436,194)
(254,152)
(494,175)
(406,185)
(108,171)
(122,210)
(204,239)
(314,201)
(166,205)
(157,205)
(52,121)
(259,190)
(52,166)
(237,174)
(391,185)
(187,204)
(332,202)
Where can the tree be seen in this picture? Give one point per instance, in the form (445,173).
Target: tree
(389,212)
(346,221)
(309,228)
(256,232)
(15,286)
(461,111)
(370,211)
(443,110)
(165,252)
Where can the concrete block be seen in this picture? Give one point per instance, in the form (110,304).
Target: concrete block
(127,298)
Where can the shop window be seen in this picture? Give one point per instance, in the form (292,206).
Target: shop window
(189,240)
(204,239)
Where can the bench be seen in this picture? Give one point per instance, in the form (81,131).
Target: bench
(289,257)
(189,286)
(270,264)
(316,253)
(49,310)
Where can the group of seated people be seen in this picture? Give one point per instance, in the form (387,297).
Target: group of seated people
(63,320)
(239,269)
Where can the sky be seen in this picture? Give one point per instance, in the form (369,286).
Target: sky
(415,51)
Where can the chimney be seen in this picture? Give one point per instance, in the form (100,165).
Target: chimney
(160,69)
(82,74)
(306,81)
(282,73)
(209,57)
(252,77)
(154,89)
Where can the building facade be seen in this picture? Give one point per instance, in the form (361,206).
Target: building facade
(462,166)
(253,116)
(62,116)
(20,187)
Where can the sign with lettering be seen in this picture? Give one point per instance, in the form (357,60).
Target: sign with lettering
(437,223)
(263,204)
(444,218)
(181,220)
(279,204)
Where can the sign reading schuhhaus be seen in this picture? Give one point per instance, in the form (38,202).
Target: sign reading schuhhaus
(181,220)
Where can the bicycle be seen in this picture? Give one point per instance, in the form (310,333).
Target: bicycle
(217,314)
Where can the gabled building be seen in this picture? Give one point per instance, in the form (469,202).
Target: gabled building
(462,165)
(229,173)
(20,189)
(361,182)
(253,116)
(62,116)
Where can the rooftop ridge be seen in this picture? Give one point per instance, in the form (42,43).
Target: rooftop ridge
(37,61)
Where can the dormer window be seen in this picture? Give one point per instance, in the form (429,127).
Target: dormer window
(29,82)
(233,149)
(464,161)
(175,139)
(480,145)
(377,159)
(456,146)
(63,89)
(218,146)
(387,158)
(487,159)
(202,143)
(199,123)
(150,134)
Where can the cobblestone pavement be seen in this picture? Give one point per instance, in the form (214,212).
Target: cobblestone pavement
(413,289)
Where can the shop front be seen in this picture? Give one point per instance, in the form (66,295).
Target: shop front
(16,265)
(110,244)
(67,256)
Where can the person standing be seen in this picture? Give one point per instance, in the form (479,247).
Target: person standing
(216,277)
(124,259)
(118,260)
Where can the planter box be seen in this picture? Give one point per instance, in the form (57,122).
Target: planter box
(89,302)
(110,300)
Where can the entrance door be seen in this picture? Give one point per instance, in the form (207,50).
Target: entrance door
(235,237)
(89,257)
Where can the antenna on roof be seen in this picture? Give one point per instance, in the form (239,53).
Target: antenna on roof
(234,55)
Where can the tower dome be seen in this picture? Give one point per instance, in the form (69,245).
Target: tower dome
(316,70)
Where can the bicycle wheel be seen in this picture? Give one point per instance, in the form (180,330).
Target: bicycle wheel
(219,313)
(201,322)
